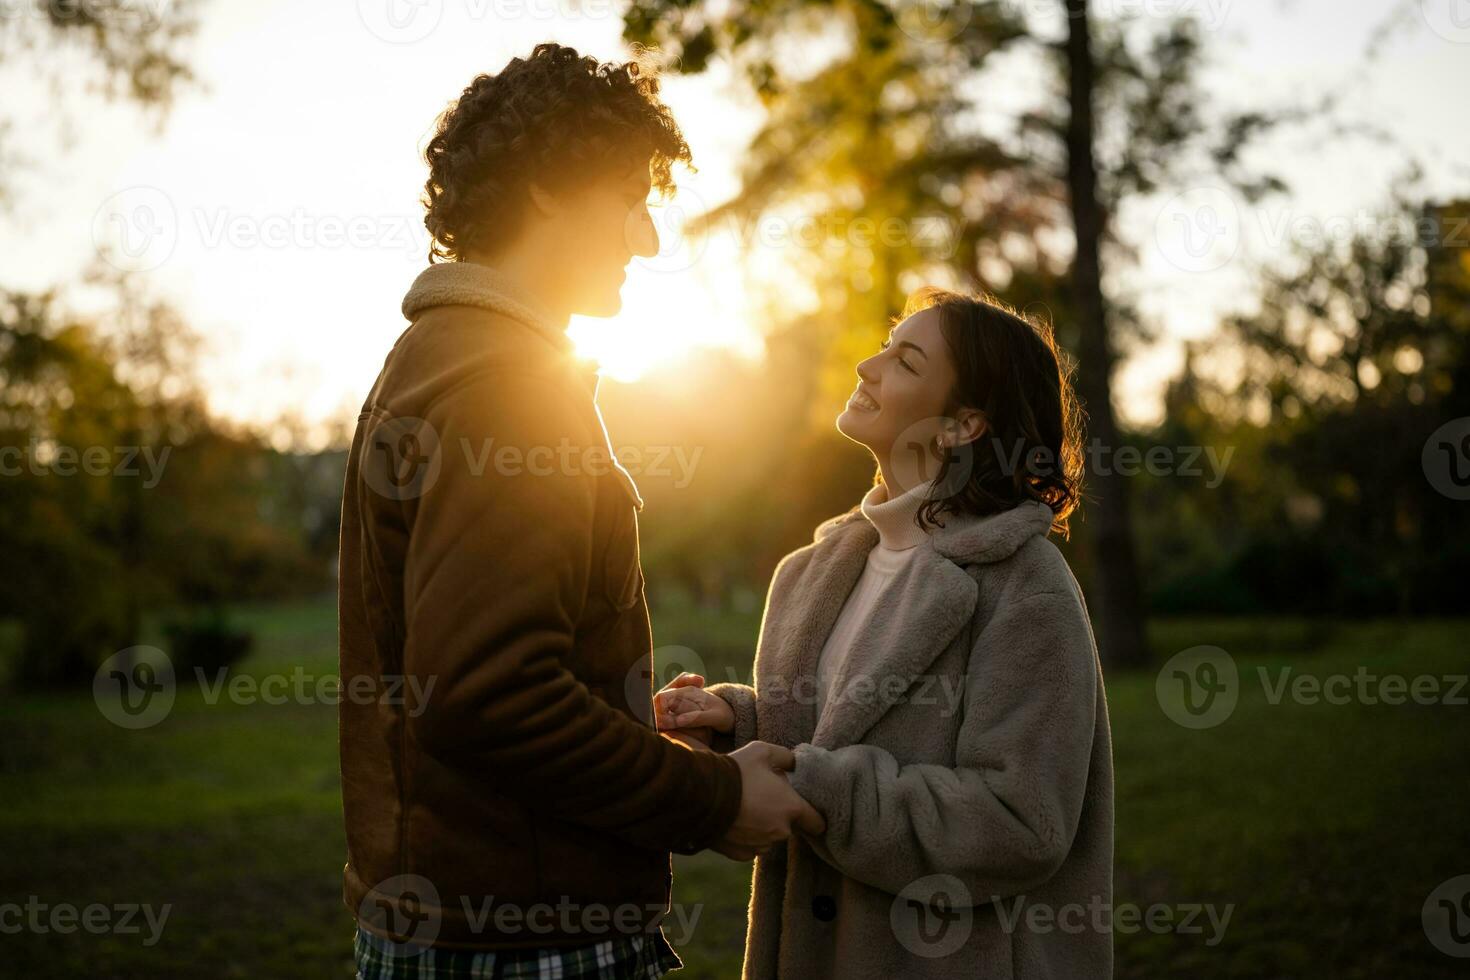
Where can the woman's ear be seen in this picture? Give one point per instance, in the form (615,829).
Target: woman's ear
(965,427)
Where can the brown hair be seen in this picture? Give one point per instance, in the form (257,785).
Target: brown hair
(1009,368)
(552,118)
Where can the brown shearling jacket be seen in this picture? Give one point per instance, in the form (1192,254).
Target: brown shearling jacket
(502,783)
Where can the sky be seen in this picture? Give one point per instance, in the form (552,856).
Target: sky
(278,206)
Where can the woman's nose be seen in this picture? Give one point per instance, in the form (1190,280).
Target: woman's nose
(865,370)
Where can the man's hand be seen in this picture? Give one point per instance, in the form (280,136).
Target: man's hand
(685,708)
(769,808)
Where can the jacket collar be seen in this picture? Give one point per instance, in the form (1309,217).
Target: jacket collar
(919,614)
(985,540)
(471,284)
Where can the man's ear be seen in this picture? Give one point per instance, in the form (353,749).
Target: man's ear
(543,200)
(967,426)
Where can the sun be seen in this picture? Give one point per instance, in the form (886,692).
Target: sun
(669,311)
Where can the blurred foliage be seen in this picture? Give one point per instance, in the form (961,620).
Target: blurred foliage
(1323,396)
(77,51)
(882,111)
(972,126)
(1327,395)
(1306,492)
(120,493)
(131,50)
(206,641)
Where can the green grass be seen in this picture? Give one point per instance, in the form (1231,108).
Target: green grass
(1324,826)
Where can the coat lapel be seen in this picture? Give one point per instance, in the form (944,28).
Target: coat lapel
(797,625)
(916,617)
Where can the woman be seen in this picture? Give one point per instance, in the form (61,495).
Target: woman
(930,661)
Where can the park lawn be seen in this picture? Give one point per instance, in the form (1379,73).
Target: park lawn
(1324,827)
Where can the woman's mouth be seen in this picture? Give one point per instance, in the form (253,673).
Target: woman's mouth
(862,401)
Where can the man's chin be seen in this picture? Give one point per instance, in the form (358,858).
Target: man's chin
(603,306)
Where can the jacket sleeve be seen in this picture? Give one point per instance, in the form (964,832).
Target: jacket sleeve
(1002,820)
(499,560)
(742,701)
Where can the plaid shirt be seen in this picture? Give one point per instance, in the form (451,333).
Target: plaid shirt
(624,958)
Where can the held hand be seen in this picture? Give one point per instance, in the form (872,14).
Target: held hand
(769,808)
(684,706)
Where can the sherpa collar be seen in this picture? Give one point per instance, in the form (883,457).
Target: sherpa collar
(471,284)
(994,538)
(963,539)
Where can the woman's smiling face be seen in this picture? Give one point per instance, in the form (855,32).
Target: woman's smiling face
(905,386)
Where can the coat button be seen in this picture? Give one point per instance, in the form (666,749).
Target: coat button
(824,907)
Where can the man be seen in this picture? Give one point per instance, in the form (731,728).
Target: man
(509,807)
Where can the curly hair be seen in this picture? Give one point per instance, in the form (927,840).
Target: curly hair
(1010,368)
(553,118)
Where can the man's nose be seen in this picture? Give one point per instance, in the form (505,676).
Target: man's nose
(643,236)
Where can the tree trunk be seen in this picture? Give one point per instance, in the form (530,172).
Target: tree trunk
(1119,614)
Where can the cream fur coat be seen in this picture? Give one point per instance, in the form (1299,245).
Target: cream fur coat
(963,764)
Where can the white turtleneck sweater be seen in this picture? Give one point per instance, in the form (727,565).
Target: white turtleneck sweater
(898,538)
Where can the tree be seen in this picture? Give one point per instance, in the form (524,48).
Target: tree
(1120,613)
(882,125)
(120,493)
(82,539)
(1334,395)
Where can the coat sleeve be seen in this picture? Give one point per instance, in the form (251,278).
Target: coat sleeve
(497,571)
(742,701)
(1003,818)
(743,698)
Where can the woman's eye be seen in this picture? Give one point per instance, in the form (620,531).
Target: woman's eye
(907,367)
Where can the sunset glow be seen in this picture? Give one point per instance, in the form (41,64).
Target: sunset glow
(293,274)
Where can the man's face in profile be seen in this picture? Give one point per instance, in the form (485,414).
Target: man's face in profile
(606,224)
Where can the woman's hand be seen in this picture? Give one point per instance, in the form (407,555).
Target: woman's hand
(684,708)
